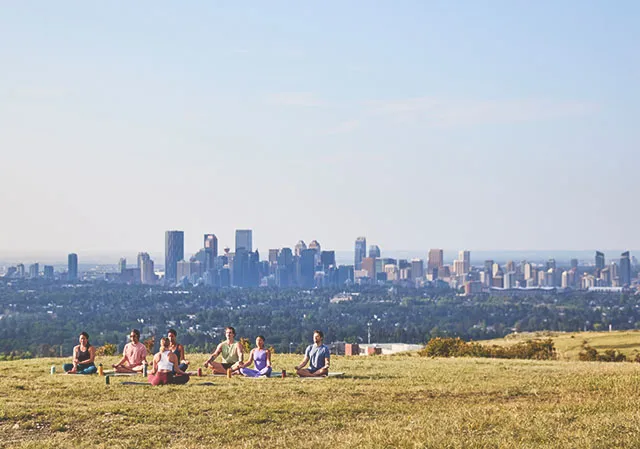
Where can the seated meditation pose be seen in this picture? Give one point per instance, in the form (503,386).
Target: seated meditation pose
(83,357)
(261,357)
(317,355)
(231,351)
(165,367)
(177,349)
(134,355)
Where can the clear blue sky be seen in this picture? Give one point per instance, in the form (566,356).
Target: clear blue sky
(419,124)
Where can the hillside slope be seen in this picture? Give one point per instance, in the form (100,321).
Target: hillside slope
(381,402)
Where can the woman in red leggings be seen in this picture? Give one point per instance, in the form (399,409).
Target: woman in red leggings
(165,363)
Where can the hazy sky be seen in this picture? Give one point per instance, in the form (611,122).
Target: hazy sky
(454,124)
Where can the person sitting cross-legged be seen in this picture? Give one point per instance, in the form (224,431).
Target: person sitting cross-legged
(231,354)
(261,357)
(83,357)
(317,355)
(134,355)
(165,367)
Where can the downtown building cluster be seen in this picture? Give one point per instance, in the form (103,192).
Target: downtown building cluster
(301,266)
(309,266)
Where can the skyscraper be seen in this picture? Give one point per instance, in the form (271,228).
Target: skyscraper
(210,251)
(72,267)
(145,264)
(34,270)
(244,239)
(465,257)
(173,253)
(300,246)
(599,261)
(436,259)
(625,269)
(374,251)
(360,252)
(417,268)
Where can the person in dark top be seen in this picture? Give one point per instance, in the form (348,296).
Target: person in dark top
(83,357)
(177,349)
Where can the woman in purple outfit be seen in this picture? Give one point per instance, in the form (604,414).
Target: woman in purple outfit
(261,358)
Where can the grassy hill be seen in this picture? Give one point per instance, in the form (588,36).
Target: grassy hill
(569,344)
(382,402)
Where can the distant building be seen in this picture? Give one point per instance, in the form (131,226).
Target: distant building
(625,269)
(244,239)
(147,273)
(210,252)
(360,252)
(369,265)
(72,267)
(417,268)
(122,265)
(465,257)
(599,261)
(327,259)
(436,259)
(307,268)
(48,272)
(190,270)
(374,251)
(300,246)
(285,271)
(173,253)
(345,274)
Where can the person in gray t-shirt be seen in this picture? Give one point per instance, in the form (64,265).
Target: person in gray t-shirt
(317,355)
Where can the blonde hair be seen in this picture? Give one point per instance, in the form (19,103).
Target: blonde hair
(165,342)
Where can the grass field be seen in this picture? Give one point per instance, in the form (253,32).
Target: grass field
(381,402)
(569,344)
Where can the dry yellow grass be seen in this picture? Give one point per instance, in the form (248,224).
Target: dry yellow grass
(382,402)
(569,344)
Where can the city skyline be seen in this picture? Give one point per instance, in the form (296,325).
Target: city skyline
(473,125)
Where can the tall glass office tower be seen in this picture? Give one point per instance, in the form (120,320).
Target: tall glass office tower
(173,253)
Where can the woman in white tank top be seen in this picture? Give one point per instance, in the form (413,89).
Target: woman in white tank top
(165,367)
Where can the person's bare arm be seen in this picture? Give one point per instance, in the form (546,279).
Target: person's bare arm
(174,359)
(249,362)
(215,354)
(240,352)
(304,362)
(92,355)
(268,358)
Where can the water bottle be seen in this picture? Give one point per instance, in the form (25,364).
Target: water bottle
(284,373)
(53,369)
(106,380)
(100,370)
(144,369)
(228,373)
(199,372)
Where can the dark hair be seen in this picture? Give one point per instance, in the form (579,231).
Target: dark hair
(261,336)
(231,329)
(319,333)
(136,331)
(85,335)
(172,331)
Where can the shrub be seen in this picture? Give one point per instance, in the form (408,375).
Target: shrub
(107,349)
(149,344)
(589,354)
(455,347)
(246,345)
